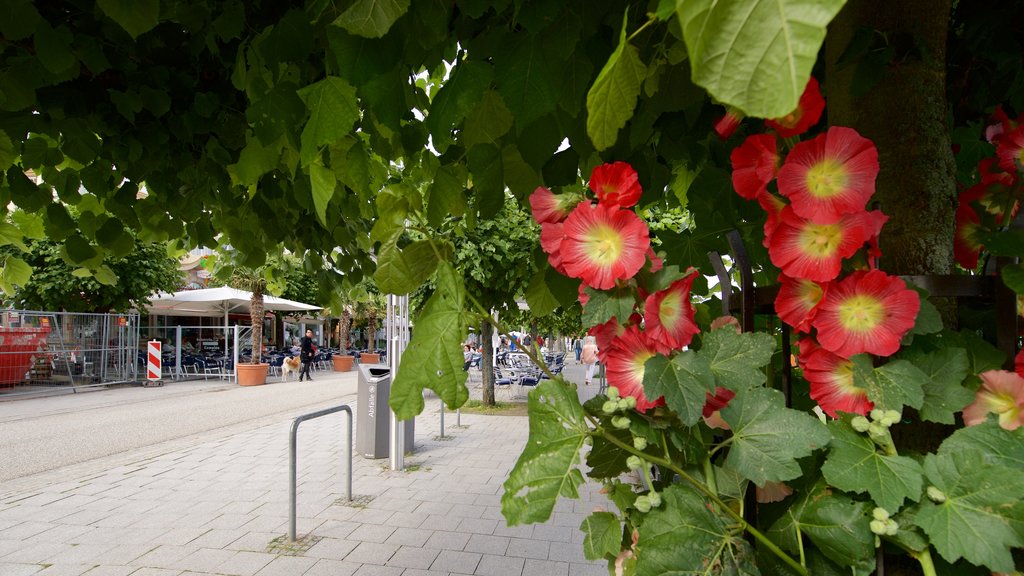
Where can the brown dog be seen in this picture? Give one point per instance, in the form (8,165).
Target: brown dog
(289,366)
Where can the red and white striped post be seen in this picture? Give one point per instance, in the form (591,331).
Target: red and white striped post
(153,366)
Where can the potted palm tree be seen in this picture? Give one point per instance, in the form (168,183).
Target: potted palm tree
(343,361)
(253,280)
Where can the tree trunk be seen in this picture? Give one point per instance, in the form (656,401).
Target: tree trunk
(256,316)
(487,362)
(905,114)
(344,325)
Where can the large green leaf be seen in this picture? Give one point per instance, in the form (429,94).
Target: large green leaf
(16,272)
(891,386)
(401,271)
(487,122)
(995,444)
(549,465)
(604,305)
(433,359)
(323,183)
(603,535)
(529,85)
(613,96)
(685,536)
(333,111)
(855,465)
(736,359)
(684,380)
(944,393)
(446,195)
(539,297)
(254,161)
(768,438)
(464,88)
(372,18)
(135,16)
(982,504)
(755,55)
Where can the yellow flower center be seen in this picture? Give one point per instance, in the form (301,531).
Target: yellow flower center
(861,313)
(670,310)
(604,245)
(637,367)
(826,178)
(821,240)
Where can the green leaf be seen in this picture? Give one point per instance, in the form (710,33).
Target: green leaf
(539,297)
(323,183)
(928,320)
(761,69)
(113,236)
(944,393)
(19,21)
(30,225)
(1005,243)
(1013,277)
(254,161)
(768,438)
(528,85)
(7,152)
(549,465)
(372,18)
(135,16)
(79,249)
(736,359)
(603,535)
(983,355)
(433,358)
(613,96)
(976,519)
(487,122)
(683,380)
(605,459)
(464,88)
(16,272)
(684,534)
(401,271)
(53,48)
(333,112)
(607,304)
(854,465)
(104,275)
(485,165)
(891,386)
(994,443)
(446,197)
(10,234)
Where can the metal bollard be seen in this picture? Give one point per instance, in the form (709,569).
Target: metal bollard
(442,419)
(293,457)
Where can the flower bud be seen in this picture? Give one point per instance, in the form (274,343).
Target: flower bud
(610,407)
(654,498)
(878,527)
(613,392)
(630,402)
(639,442)
(860,423)
(643,504)
(891,417)
(891,527)
(880,514)
(877,414)
(620,422)
(936,495)
(634,463)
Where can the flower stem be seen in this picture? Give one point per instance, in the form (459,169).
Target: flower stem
(700,487)
(924,558)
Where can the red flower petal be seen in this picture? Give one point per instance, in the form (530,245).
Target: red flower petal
(966,239)
(831,175)
(728,123)
(551,237)
(625,370)
(668,315)
(866,312)
(616,184)
(808,112)
(831,380)
(754,165)
(1010,150)
(773,205)
(1001,393)
(873,222)
(798,301)
(548,207)
(803,249)
(713,404)
(603,244)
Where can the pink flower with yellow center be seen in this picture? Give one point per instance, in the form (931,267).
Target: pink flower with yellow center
(831,380)
(803,249)
(616,184)
(551,237)
(830,175)
(625,366)
(603,244)
(1010,150)
(866,312)
(551,208)
(808,112)
(668,315)
(754,165)
(797,301)
(1002,394)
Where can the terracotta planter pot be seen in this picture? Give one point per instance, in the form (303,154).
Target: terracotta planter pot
(342,363)
(368,358)
(252,374)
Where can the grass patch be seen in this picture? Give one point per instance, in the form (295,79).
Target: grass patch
(499,408)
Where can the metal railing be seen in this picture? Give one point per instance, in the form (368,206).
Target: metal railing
(293,459)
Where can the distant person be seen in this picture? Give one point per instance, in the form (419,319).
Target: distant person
(467,357)
(578,346)
(307,351)
(589,357)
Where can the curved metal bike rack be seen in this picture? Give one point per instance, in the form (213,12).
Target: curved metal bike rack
(293,458)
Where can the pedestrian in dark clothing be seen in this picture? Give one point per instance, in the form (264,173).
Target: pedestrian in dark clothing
(307,351)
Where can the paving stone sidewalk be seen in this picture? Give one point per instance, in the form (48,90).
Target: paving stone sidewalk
(221,507)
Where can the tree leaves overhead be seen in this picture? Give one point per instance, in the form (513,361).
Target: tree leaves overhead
(855,465)
(372,18)
(135,16)
(333,111)
(549,465)
(612,98)
(757,55)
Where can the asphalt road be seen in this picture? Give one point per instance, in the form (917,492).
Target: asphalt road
(40,437)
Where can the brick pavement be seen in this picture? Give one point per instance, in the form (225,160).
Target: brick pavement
(220,507)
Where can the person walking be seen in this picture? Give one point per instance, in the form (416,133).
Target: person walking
(578,345)
(589,357)
(307,350)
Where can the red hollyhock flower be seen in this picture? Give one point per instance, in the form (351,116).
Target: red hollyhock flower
(866,312)
(668,315)
(616,184)
(1010,150)
(657,263)
(773,205)
(808,112)
(874,221)
(713,404)
(584,297)
(803,249)
(966,239)
(603,244)
(831,380)
(551,237)
(608,331)
(798,300)
(727,124)
(548,207)
(754,165)
(625,370)
(831,175)
(1002,394)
